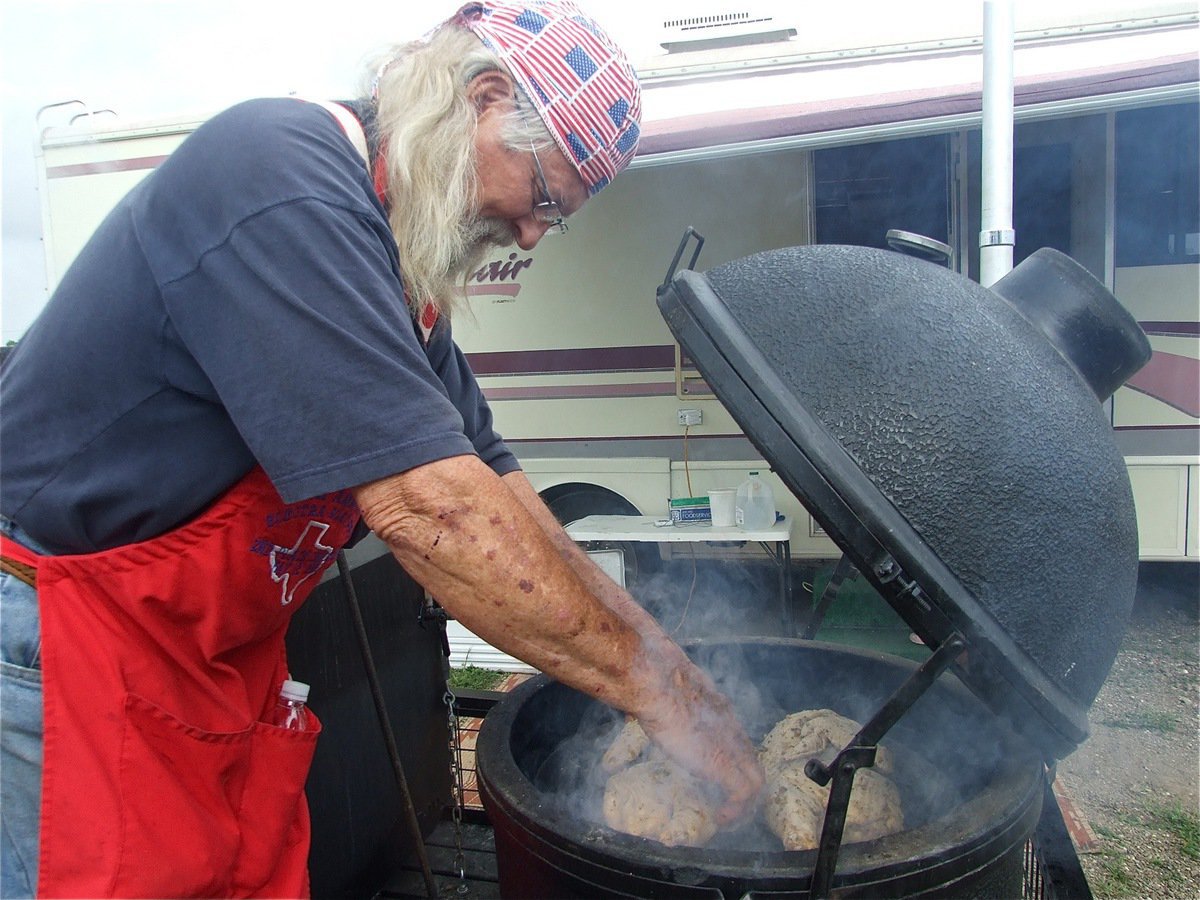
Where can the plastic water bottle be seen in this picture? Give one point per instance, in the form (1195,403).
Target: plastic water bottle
(290,711)
(754,509)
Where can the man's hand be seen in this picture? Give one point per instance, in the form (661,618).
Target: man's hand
(695,723)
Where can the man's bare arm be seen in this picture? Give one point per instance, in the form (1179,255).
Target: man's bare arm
(462,532)
(607,590)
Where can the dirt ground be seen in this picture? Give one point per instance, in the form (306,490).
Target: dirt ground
(1135,779)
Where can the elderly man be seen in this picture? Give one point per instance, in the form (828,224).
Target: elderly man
(252,352)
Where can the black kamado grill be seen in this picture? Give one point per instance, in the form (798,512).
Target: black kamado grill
(951,440)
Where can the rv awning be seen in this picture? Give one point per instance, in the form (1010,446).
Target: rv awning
(825,102)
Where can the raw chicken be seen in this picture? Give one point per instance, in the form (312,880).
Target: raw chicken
(655,798)
(660,800)
(629,744)
(794,808)
(813,732)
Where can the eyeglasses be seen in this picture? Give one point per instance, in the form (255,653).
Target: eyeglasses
(547,211)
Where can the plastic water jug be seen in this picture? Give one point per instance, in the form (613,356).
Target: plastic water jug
(754,509)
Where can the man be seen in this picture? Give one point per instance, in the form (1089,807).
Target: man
(253,350)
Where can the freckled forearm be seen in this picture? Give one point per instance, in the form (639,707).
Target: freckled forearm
(460,532)
(503,571)
(600,584)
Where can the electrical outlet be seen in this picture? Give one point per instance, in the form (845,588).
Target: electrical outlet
(690,417)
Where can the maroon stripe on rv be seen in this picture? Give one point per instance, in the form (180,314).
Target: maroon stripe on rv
(1171,329)
(648,440)
(575,360)
(582,391)
(816,117)
(487,290)
(1173,379)
(1156,428)
(100,168)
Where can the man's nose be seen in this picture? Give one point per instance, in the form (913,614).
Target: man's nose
(530,231)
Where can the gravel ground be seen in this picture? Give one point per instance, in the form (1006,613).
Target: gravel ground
(1135,779)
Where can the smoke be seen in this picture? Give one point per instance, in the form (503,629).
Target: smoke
(945,748)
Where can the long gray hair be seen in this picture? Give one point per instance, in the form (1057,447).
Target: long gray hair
(426,126)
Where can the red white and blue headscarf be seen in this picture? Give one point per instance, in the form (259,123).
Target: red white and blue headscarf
(581,83)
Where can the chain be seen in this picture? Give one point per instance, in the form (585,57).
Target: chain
(458,790)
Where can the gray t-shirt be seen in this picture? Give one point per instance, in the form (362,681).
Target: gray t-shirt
(241,305)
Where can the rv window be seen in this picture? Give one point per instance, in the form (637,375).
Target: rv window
(1157,189)
(1058,200)
(863,191)
(1041,199)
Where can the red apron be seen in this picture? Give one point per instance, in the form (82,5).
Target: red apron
(160,661)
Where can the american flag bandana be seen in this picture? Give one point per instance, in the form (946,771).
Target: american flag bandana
(581,83)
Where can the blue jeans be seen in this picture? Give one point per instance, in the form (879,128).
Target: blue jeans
(20,730)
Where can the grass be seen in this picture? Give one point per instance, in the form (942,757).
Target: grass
(1148,720)
(1181,823)
(859,617)
(1115,881)
(858,604)
(474,678)
(1112,878)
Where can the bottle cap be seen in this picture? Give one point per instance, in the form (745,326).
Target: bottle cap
(294,690)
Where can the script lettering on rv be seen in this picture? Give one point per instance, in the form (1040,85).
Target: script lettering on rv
(498,279)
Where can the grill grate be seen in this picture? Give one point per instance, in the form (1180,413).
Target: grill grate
(1034,884)
(468,733)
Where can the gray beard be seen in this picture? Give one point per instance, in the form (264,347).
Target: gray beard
(483,234)
(479,237)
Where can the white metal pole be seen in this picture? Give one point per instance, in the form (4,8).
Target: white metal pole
(996,236)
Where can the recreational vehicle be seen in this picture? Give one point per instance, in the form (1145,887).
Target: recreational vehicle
(765,132)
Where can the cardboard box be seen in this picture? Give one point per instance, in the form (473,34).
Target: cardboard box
(690,510)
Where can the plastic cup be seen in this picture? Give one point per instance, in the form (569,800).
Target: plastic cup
(722,503)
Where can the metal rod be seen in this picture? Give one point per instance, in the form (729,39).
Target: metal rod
(861,752)
(785,587)
(389,736)
(688,233)
(848,763)
(844,569)
(912,690)
(996,235)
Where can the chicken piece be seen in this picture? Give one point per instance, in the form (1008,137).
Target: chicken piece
(795,807)
(660,800)
(813,732)
(630,743)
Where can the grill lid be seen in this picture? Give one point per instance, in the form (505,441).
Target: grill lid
(949,439)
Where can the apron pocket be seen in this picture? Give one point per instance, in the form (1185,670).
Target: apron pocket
(274,812)
(181,789)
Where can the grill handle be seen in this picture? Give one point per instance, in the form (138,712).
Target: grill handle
(861,752)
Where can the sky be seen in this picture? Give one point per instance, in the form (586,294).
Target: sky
(149,58)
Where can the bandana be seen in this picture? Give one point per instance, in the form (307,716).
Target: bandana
(579,81)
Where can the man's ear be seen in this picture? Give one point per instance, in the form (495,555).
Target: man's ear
(489,88)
